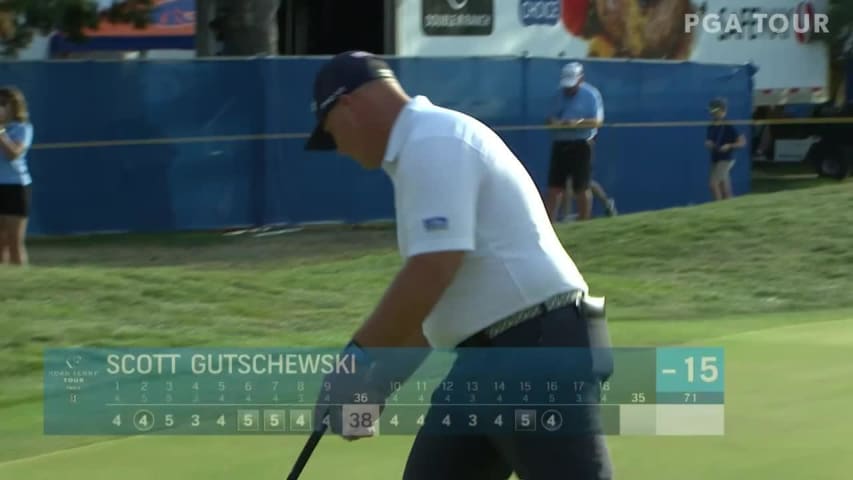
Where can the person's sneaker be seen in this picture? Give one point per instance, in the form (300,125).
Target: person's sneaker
(611,208)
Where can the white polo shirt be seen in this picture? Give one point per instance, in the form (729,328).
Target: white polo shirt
(457,186)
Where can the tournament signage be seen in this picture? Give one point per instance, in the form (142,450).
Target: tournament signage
(457,17)
(774,35)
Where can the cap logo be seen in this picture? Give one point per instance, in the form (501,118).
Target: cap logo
(331,98)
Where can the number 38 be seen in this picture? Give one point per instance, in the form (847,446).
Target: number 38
(361,420)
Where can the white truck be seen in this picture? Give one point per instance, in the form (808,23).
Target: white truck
(776,36)
(792,67)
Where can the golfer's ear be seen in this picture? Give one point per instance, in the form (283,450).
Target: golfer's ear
(345,104)
(345,100)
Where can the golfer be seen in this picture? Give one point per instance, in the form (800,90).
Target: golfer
(482,266)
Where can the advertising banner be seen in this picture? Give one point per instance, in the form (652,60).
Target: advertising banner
(172,26)
(774,35)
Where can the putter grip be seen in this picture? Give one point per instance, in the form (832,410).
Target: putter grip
(307,450)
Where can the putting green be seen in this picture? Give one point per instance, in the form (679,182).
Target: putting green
(788,415)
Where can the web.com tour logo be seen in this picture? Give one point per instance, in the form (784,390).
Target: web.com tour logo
(753,23)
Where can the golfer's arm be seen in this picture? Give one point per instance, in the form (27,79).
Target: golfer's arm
(416,340)
(414,292)
(403,366)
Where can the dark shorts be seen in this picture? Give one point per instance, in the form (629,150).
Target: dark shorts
(15,200)
(570,159)
(580,456)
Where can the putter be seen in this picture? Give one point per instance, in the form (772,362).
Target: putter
(308,449)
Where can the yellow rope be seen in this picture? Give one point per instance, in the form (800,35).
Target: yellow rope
(504,128)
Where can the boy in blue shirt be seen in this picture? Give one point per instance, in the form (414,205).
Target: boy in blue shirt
(721,140)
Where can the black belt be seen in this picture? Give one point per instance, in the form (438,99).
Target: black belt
(486,335)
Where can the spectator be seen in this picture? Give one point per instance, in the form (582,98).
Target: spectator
(16,136)
(597,191)
(579,107)
(721,140)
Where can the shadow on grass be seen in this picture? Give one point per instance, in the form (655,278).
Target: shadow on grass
(771,178)
(790,182)
(310,245)
(209,249)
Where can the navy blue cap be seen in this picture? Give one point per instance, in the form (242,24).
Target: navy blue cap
(341,75)
(718,103)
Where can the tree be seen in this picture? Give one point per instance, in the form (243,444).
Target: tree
(246,27)
(20,20)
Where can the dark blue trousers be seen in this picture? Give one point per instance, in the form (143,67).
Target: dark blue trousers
(531,457)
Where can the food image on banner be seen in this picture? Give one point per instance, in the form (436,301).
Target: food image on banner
(631,28)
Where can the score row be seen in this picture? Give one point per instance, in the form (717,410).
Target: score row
(356,419)
(420,392)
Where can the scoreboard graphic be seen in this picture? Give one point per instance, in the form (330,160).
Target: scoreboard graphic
(189,391)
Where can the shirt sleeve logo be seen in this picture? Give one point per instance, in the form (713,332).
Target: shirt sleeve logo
(435,223)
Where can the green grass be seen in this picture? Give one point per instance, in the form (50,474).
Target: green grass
(688,275)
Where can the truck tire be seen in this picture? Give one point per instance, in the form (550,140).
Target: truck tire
(830,163)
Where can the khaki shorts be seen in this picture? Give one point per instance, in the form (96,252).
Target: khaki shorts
(720,170)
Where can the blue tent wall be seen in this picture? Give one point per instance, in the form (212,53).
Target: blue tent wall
(183,172)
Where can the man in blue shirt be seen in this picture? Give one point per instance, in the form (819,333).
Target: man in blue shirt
(578,114)
(721,139)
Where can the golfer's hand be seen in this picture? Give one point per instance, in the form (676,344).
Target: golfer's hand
(351,387)
(725,148)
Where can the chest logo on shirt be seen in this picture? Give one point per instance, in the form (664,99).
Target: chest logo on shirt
(435,223)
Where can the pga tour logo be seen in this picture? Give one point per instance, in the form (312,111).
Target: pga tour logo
(802,20)
(539,12)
